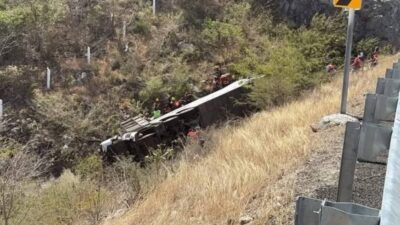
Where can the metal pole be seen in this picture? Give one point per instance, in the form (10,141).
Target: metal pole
(1,109)
(126,48)
(154,7)
(88,55)
(390,213)
(48,83)
(124,31)
(349,43)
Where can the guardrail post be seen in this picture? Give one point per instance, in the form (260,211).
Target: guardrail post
(349,160)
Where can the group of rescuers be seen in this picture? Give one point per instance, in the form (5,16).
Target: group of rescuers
(219,79)
(358,62)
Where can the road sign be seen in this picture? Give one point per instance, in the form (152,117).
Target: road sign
(349,4)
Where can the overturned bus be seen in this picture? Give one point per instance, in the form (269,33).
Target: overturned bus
(141,135)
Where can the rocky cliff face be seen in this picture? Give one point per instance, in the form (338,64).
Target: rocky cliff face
(378,18)
(381,18)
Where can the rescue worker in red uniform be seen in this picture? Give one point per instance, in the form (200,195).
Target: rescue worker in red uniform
(193,134)
(374,57)
(174,104)
(330,68)
(357,63)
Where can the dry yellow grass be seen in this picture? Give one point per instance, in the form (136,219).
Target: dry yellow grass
(247,160)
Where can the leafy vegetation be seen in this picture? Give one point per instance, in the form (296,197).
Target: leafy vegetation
(169,54)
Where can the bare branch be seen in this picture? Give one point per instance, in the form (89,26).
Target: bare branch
(14,173)
(7,42)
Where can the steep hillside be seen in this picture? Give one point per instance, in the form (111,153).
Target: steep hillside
(248,162)
(51,171)
(150,57)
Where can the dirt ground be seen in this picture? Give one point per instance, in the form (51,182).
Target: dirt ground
(318,177)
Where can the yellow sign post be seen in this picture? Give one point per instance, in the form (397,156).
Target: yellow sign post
(349,4)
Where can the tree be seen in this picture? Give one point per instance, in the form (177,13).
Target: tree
(125,174)
(15,171)
(7,42)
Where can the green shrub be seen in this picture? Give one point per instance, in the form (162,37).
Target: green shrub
(16,86)
(195,12)
(367,46)
(90,167)
(153,89)
(69,200)
(8,148)
(289,60)
(142,28)
(322,42)
(222,40)
(82,123)
(173,78)
(388,49)
(283,73)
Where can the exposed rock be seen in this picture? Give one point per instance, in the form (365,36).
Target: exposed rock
(332,120)
(186,47)
(377,18)
(245,220)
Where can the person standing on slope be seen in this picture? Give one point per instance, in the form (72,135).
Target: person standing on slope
(331,68)
(357,63)
(374,57)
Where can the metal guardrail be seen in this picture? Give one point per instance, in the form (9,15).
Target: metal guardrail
(388,87)
(391,195)
(317,212)
(372,141)
(380,108)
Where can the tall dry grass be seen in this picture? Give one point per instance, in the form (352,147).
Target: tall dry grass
(247,159)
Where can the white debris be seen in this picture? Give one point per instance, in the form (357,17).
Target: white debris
(333,120)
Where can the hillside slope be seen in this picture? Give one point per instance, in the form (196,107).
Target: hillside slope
(139,62)
(247,163)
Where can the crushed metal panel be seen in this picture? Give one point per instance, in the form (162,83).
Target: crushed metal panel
(374,143)
(380,86)
(206,99)
(307,211)
(348,214)
(135,124)
(170,125)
